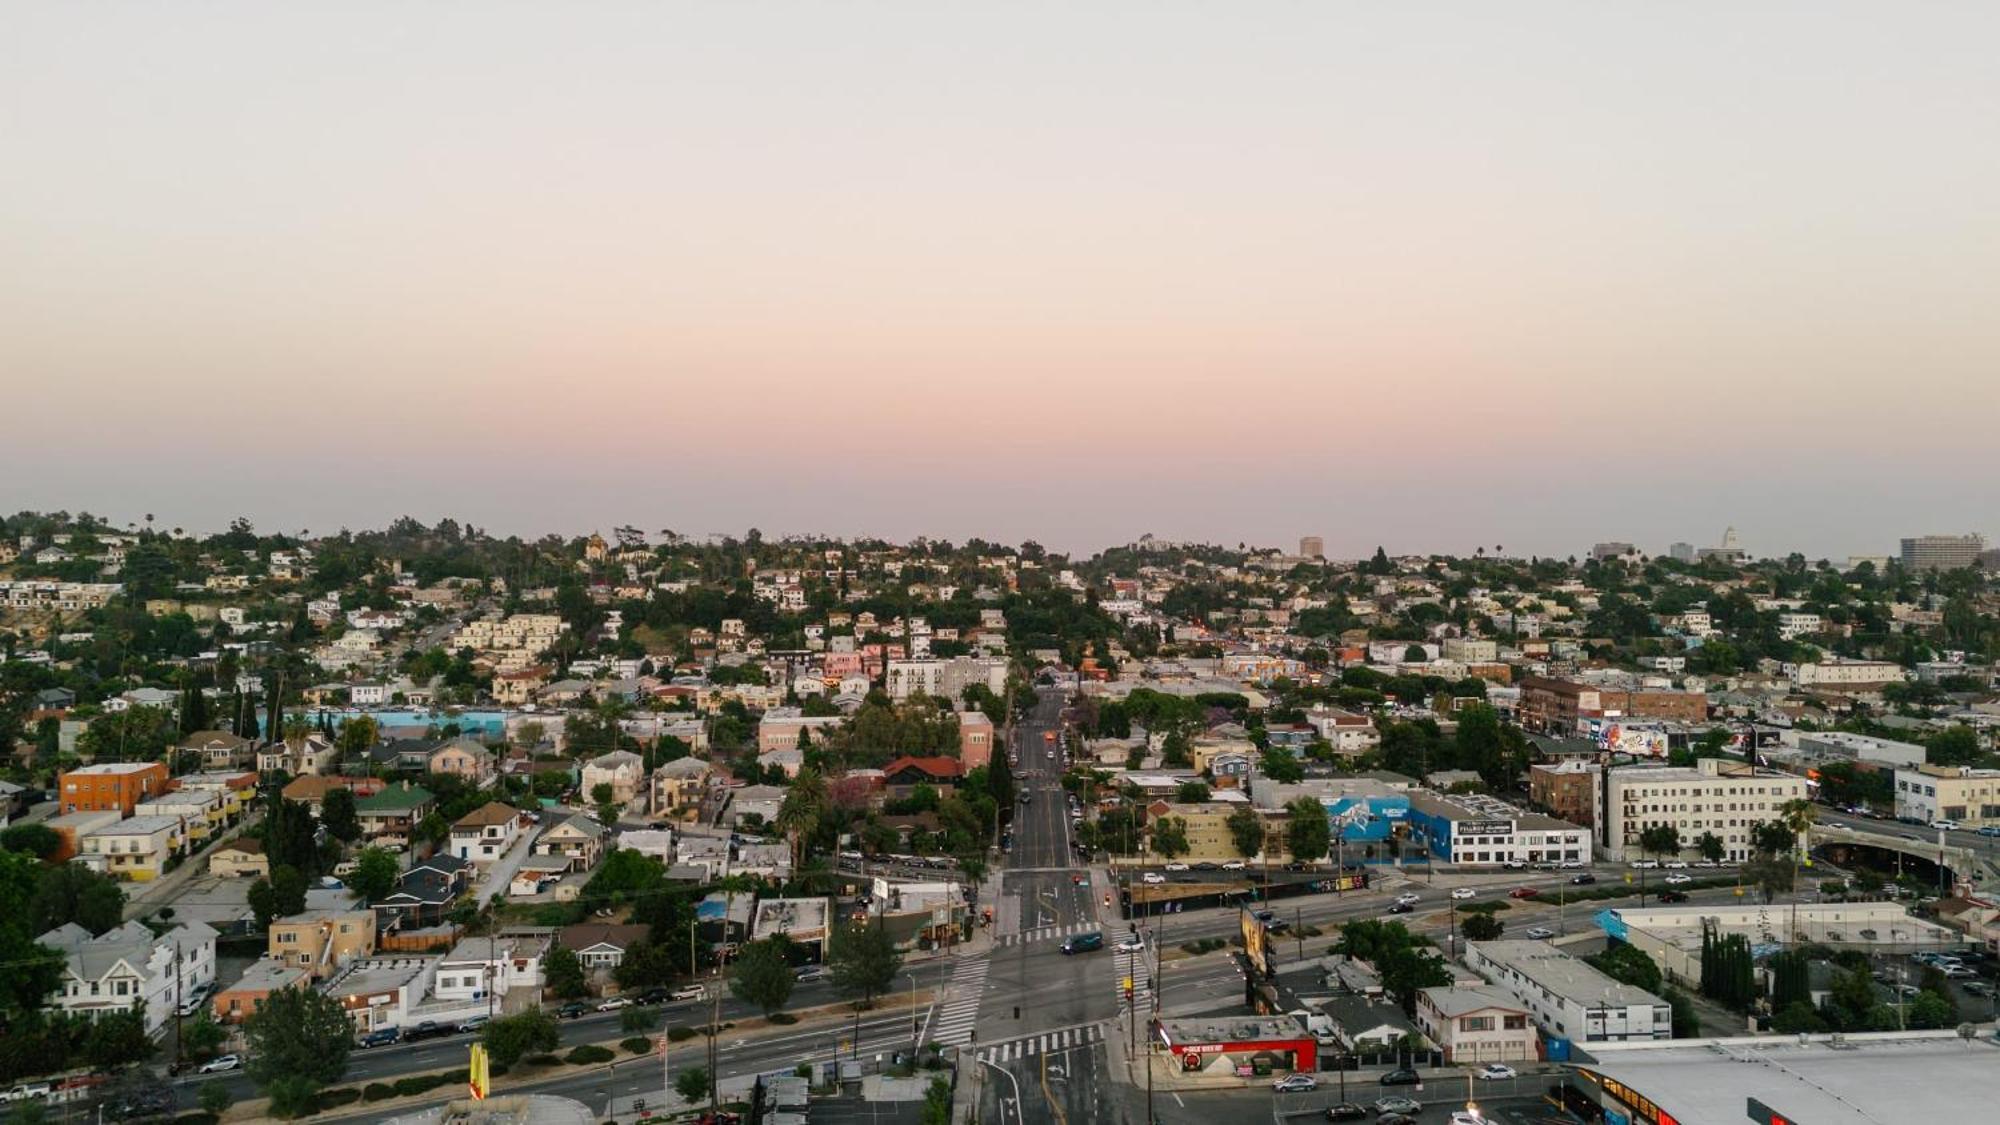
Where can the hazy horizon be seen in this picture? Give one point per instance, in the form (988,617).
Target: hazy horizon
(1430,277)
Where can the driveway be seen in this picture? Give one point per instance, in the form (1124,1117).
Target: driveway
(502,871)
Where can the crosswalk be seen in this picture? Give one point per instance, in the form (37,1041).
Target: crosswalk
(1045,933)
(1137,966)
(960,1012)
(1046,1043)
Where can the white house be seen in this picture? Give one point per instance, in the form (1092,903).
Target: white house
(484,834)
(128,966)
(478,965)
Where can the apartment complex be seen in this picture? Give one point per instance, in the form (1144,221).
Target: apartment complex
(111,786)
(1942,552)
(1567,998)
(1567,789)
(1715,795)
(1958,793)
(1558,706)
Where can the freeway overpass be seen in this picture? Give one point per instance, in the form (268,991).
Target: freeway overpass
(1968,864)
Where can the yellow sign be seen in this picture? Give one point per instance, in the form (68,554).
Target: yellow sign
(479,1078)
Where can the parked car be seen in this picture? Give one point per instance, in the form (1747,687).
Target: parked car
(381,1037)
(1644,864)
(221,1063)
(615,1003)
(1493,1072)
(1463,893)
(1402,1076)
(1177,866)
(1295,1084)
(1676,864)
(652,996)
(812,973)
(1947,825)
(1397,1103)
(26,1092)
(466,1027)
(428,1029)
(1234,865)
(1346,1111)
(689,992)
(575,1009)
(1395,1119)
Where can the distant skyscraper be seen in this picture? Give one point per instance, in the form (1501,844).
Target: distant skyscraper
(1681,552)
(1942,552)
(1731,550)
(1312,546)
(1612,550)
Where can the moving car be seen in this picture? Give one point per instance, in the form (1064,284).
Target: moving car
(1177,867)
(1462,893)
(1468,1117)
(1084,943)
(1400,908)
(1523,892)
(1408,898)
(615,1003)
(1295,1084)
(26,1092)
(1152,877)
(1676,879)
(1540,933)
(221,1063)
(1672,896)
(1397,1103)
(1130,945)
(1583,880)
(1493,1072)
(1402,1076)
(689,992)
(1947,825)
(1346,1111)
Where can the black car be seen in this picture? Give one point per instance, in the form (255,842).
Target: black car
(1402,1076)
(1400,908)
(1672,896)
(429,1029)
(1207,865)
(652,996)
(1346,1111)
(574,1010)
(1581,880)
(1395,1119)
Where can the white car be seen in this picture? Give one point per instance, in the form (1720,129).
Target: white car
(1295,1083)
(1676,879)
(1493,1072)
(1130,945)
(1644,864)
(1153,877)
(27,1092)
(1177,866)
(1572,865)
(1676,864)
(689,992)
(1947,825)
(218,1065)
(1468,1117)
(1234,865)
(615,1003)
(1462,893)
(1540,933)
(1408,898)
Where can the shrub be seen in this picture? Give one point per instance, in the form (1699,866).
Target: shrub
(333,1099)
(377,1091)
(681,1034)
(541,1060)
(636,1045)
(589,1053)
(783,1018)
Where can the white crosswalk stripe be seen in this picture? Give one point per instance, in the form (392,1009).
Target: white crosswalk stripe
(1138,965)
(1045,933)
(960,1014)
(1027,1047)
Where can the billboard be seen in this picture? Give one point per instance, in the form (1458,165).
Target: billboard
(1365,820)
(1620,737)
(1254,945)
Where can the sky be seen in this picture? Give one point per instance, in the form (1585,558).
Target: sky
(1429,275)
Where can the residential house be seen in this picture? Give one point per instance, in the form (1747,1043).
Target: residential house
(622,770)
(424,894)
(219,749)
(601,946)
(681,783)
(577,838)
(235,1003)
(71,828)
(242,856)
(466,758)
(312,754)
(311,791)
(655,842)
(200,812)
(1368,1027)
(1477,1024)
(110,786)
(497,964)
(136,848)
(130,966)
(902,776)
(394,812)
(484,834)
(322,943)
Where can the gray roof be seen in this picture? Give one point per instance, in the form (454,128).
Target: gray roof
(1463,999)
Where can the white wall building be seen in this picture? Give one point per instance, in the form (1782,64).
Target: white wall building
(1726,798)
(1968,796)
(1567,998)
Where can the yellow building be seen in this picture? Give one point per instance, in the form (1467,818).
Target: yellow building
(322,943)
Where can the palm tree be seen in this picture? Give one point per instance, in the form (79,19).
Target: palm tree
(799,814)
(1799,815)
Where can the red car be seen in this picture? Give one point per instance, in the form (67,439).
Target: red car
(1523,892)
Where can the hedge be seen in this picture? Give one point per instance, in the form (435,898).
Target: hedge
(681,1033)
(377,1091)
(590,1053)
(334,1099)
(636,1045)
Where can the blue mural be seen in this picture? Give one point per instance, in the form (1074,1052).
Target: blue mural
(1365,820)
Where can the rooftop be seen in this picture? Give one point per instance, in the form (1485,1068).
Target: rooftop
(1561,974)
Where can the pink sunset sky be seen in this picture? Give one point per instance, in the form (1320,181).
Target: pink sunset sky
(1428,275)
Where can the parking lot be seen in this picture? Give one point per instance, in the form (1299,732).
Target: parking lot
(216,901)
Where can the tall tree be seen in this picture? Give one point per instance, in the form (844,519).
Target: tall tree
(1307,832)
(762,975)
(68,892)
(374,876)
(509,1039)
(1246,831)
(863,961)
(564,970)
(298,1033)
(337,813)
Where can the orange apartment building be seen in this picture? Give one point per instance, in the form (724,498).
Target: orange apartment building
(111,787)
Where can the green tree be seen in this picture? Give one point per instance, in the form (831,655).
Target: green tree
(336,812)
(863,961)
(293,1095)
(1687,1022)
(1482,927)
(117,1038)
(298,1033)
(1246,831)
(692,1084)
(1953,746)
(375,873)
(288,891)
(202,1037)
(38,840)
(1191,793)
(69,892)
(509,1039)
(1771,875)
(357,736)
(1660,839)
(215,1098)
(1771,838)
(1307,833)
(1169,835)
(564,970)
(1710,846)
(136,734)
(762,975)
(1281,765)
(1621,962)
(263,903)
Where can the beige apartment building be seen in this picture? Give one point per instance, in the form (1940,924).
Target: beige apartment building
(1727,798)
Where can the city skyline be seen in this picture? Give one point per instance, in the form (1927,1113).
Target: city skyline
(1431,278)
